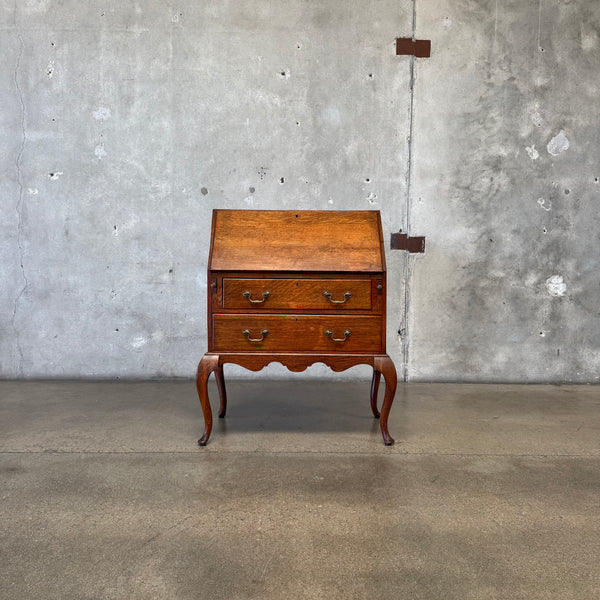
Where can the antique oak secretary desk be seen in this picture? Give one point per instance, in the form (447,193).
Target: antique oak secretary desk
(296,287)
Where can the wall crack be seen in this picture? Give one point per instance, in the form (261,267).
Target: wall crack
(18,206)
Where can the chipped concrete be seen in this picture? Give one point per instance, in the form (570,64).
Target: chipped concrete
(556,286)
(559,143)
(532,152)
(545,205)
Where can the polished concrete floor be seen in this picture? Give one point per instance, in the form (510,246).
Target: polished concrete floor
(490,492)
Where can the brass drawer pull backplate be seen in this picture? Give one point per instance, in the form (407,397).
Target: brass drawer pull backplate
(248,295)
(329,334)
(264,333)
(347,296)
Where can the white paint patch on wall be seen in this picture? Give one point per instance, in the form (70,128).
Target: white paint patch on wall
(55,175)
(99,151)
(558,144)
(556,286)
(102,114)
(533,153)
(139,342)
(542,203)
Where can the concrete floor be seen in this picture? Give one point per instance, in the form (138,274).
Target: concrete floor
(490,492)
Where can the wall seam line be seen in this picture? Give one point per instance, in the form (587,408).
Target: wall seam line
(408,262)
(18,162)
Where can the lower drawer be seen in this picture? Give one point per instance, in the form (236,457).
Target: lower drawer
(297,333)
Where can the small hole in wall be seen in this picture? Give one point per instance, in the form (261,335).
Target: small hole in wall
(296,216)
(370,75)
(541,49)
(567,192)
(282,181)
(596,180)
(367,180)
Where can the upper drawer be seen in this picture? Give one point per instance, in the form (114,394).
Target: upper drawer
(317,294)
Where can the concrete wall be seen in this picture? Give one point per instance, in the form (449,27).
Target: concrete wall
(510,287)
(125,124)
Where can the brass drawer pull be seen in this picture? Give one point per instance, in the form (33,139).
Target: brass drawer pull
(347,296)
(329,334)
(248,295)
(264,333)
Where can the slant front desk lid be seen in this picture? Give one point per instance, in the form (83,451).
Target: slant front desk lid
(286,240)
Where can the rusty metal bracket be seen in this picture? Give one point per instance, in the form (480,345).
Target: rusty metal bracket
(410,47)
(402,241)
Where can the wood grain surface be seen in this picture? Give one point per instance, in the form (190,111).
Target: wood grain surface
(297,333)
(327,241)
(297,294)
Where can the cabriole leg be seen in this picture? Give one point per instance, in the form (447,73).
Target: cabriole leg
(208,364)
(374,390)
(385,366)
(222,392)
